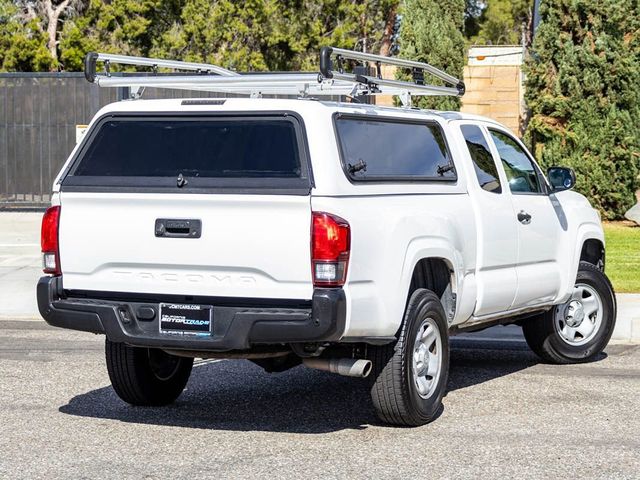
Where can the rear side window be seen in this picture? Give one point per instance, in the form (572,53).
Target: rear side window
(378,150)
(483,163)
(206,151)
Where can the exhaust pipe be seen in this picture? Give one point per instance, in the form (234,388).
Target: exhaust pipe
(349,367)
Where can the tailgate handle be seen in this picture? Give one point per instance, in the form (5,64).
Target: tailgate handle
(178,228)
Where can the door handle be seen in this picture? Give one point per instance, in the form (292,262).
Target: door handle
(524,218)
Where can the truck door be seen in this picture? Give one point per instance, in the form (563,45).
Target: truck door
(497,233)
(536,220)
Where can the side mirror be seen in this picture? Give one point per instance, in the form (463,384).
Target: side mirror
(561,178)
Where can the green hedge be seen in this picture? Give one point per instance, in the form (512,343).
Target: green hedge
(583,90)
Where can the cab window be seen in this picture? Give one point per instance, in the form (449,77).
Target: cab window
(520,170)
(483,163)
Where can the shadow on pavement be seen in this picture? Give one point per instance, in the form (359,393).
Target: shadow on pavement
(239,396)
(474,362)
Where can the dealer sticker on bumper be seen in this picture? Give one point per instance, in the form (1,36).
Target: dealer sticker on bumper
(185,318)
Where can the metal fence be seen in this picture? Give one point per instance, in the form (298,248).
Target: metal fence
(38,117)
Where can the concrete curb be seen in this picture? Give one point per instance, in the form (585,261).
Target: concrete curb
(628,321)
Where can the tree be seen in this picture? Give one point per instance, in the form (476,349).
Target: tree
(432,32)
(46,17)
(275,34)
(503,22)
(250,35)
(389,32)
(472,14)
(129,27)
(582,89)
(22,41)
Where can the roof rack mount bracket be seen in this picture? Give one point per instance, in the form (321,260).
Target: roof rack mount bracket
(405,99)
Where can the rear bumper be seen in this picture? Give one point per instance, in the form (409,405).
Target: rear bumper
(234,328)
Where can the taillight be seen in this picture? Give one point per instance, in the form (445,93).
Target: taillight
(330,248)
(49,241)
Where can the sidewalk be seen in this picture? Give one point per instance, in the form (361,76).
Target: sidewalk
(20,264)
(20,268)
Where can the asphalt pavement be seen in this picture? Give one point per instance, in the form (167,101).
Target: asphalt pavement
(505,416)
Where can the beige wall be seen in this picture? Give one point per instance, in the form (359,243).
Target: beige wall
(388,71)
(494,92)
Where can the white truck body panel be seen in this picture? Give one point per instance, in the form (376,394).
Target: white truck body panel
(258,246)
(381,270)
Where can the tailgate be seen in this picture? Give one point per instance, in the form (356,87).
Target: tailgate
(243,178)
(250,246)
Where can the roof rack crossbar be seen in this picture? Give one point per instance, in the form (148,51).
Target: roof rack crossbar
(108,58)
(326,64)
(329,82)
(411,88)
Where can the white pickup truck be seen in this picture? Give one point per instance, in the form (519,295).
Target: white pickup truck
(347,237)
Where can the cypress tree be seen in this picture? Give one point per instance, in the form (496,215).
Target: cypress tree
(582,88)
(432,32)
(503,22)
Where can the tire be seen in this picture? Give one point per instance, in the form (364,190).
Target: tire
(146,376)
(556,336)
(395,392)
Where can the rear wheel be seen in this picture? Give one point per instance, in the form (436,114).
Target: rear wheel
(146,376)
(410,376)
(578,330)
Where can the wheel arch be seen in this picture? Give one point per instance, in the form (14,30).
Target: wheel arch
(434,268)
(593,252)
(589,245)
(435,274)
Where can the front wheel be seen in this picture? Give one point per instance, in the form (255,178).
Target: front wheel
(146,376)
(578,330)
(409,376)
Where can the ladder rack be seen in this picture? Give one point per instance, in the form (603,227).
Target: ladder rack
(329,82)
